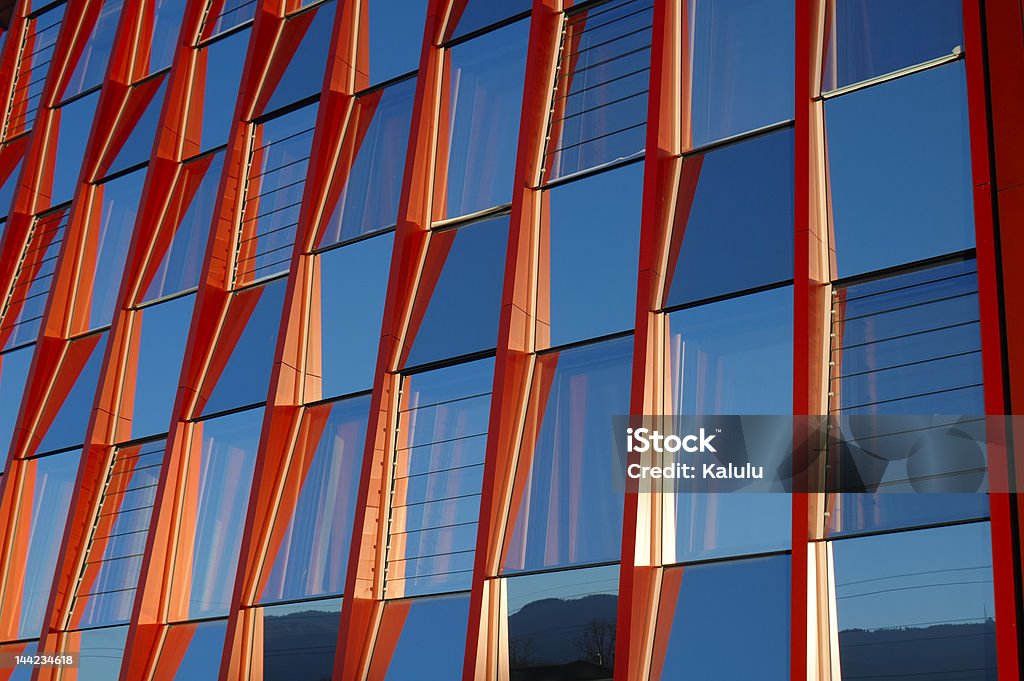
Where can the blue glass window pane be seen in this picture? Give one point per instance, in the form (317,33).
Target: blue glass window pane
(870,38)
(741,66)
(166,17)
(737,233)
(183,259)
(36,55)
(299,640)
(432,644)
(395,35)
(23,673)
(75,123)
(119,203)
(484,87)
(192,652)
(472,15)
(459,299)
(220,484)
(48,485)
(368,198)
(14,366)
(916,603)
(312,558)
(599,110)
(900,171)
(253,318)
(562,624)
(571,513)
(304,74)
(139,145)
(353,285)
(84,359)
(92,64)
(593,254)
(100,652)
(159,338)
(222,61)
(226,14)
(720,609)
(10,183)
(24,309)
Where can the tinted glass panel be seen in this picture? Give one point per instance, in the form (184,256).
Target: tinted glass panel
(226,14)
(305,40)
(222,62)
(167,15)
(431,640)
(192,212)
(374,158)
(869,38)
(353,284)
(734,220)
(158,339)
(472,15)
(101,651)
(899,171)
(315,528)
(46,495)
(484,86)
(14,366)
(7,188)
(593,250)
(23,310)
(299,640)
(149,98)
(599,110)
(245,353)
(23,673)
(221,463)
(75,122)
(438,475)
(36,55)
(741,67)
(67,428)
(571,513)
(710,612)
(395,35)
(916,603)
(561,625)
(118,203)
(192,652)
(92,64)
(458,301)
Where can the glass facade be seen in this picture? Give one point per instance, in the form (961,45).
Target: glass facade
(319,319)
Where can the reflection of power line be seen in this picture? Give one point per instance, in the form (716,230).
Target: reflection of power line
(916,639)
(918,674)
(911,588)
(912,574)
(926,624)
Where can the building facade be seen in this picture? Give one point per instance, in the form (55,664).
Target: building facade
(315,318)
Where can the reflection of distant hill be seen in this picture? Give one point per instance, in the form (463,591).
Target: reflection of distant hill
(299,645)
(943,652)
(556,639)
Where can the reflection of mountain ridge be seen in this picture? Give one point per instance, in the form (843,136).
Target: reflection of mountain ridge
(556,639)
(941,652)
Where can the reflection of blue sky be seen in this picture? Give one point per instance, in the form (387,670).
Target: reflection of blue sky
(163,330)
(202,657)
(68,426)
(223,62)
(13,374)
(433,641)
(395,37)
(482,13)
(304,75)
(101,653)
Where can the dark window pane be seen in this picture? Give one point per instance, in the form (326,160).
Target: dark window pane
(431,639)
(484,89)
(741,67)
(709,613)
(900,171)
(303,49)
(593,250)
(222,62)
(312,556)
(48,484)
(561,625)
(158,343)
(734,231)
(277,177)
(166,17)
(75,121)
(221,460)
(870,38)
(80,372)
(243,358)
(192,652)
(14,366)
(299,640)
(353,285)
(374,158)
(395,35)
(139,145)
(105,590)
(599,110)
(23,310)
(458,302)
(100,652)
(571,513)
(223,15)
(916,604)
(116,203)
(35,57)
(92,64)
(473,15)
(190,218)
(438,475)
